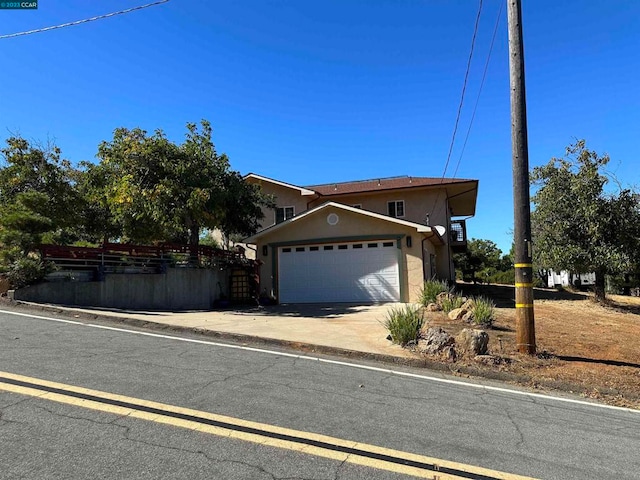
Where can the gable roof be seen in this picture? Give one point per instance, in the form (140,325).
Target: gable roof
(419,227)
(303,191)
(380,184)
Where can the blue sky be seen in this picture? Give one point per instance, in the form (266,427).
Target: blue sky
(311,92)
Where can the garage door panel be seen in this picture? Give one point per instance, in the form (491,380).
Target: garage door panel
(338,274)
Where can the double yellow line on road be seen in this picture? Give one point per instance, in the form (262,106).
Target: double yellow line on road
(235,428)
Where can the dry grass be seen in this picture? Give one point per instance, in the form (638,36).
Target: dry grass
(583,347)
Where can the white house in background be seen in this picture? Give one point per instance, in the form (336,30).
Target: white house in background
(565,279)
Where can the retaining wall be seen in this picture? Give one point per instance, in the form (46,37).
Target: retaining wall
(177,289)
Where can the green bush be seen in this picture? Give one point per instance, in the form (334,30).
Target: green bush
(404,324)
(25,271)
(504,278)
(483,311)
(431,289)
(451,302)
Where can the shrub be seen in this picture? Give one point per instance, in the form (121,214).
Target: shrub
(431,289)
(451,302)
(483,311)
(404,324)
(25,271)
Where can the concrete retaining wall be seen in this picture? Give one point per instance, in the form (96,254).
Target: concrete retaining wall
(178,289)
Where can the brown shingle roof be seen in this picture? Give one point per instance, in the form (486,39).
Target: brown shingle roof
(379,184)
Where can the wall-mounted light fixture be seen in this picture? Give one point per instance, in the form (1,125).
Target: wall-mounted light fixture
(265,250)
(409,241)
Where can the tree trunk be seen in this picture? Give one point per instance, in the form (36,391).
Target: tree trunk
(599,287)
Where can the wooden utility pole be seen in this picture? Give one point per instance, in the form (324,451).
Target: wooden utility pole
(525,325)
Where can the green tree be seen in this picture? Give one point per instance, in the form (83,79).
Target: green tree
(481,256)
(150,189)
(576,224)
(37,201)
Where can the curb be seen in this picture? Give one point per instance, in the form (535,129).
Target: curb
(460,370)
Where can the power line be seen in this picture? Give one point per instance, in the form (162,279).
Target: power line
(464,88)
(484,76)
(78,22)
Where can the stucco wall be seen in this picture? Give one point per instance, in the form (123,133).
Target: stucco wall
(178,289)
(285,197)
(417,203)
(351,227)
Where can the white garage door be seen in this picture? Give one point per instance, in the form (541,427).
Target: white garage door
(340,272)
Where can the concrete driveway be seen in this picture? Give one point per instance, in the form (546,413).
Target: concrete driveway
(345,326)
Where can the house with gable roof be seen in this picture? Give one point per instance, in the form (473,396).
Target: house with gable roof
(364,241)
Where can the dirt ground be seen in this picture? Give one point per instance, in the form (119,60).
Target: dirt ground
(582,347)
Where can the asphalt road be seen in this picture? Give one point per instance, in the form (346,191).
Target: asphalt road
(69,437)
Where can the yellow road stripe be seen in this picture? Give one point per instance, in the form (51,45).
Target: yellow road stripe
(524,285)
(379,464)
(524,305)
(523,265)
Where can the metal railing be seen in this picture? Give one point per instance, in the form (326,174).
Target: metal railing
(128,258)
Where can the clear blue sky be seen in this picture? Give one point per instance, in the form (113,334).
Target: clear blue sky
(322,91)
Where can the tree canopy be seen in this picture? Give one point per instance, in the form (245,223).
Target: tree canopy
(579,226)
(150,189)
(145,188)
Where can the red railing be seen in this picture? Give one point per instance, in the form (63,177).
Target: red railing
(141,258)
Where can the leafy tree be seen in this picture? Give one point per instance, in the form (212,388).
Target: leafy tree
(149,189)
(481,256)
(577,225)
(37,201)
(26,169)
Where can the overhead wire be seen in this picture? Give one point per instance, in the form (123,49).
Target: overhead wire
(464,88)
(484,76)
(78,22)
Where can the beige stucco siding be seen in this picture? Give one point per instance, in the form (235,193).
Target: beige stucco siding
(351,227)
(417,203)
(284,197)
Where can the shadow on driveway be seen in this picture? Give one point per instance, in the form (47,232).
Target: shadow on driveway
(314,310)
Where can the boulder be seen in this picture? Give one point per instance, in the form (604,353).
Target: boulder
(434,307)
(472,342)
(456,313)
(468,317)
(435,340)
(468,304)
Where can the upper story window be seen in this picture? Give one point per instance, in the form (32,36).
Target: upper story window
(284,213)
(396,208)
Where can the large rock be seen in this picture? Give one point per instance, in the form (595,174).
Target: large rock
(468,317)
(434,307)
(471,342)
(435,340)
(457,314)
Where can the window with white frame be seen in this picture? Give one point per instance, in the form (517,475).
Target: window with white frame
(396,208)
(284,213)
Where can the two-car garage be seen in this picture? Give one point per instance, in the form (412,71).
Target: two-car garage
(365,271)
(336,253)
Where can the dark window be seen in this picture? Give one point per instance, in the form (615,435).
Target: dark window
(299,249)
(286,250)
(284,213)
(387,244)
(313,249)
(357,245)
(328,247)
(372,245)
(396,209)
(342,247)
